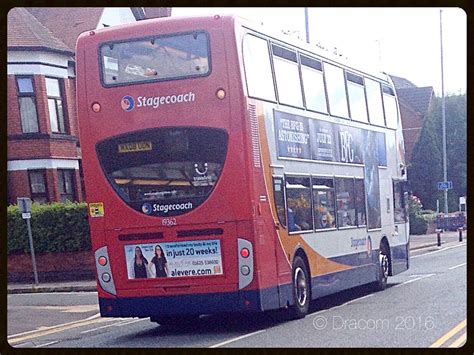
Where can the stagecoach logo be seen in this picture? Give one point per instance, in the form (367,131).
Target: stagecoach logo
(127,103)
(146,208)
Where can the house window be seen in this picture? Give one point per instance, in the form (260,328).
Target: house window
(38,186)
(55,106)
(27,103)
(66,184)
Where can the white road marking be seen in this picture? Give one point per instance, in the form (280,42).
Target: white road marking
(130,322)
(238,338)
(456,266)
(104,326)
(118,324)
(413,280)
(438,251)
(46,344)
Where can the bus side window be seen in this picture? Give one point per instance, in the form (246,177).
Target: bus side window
(346,213)
(360,202)
(399,206)
(258,70)
(323,203)
(279,199)
(298,202)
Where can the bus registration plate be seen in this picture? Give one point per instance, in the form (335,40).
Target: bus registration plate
(134,147)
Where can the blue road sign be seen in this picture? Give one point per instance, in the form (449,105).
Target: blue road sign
(445,185)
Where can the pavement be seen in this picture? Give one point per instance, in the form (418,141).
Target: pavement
(416,242)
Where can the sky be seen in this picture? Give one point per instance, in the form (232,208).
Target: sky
(400,41)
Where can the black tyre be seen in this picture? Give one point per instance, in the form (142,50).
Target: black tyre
(301,289)
(383,266)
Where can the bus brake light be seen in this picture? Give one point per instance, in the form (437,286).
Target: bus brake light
(244,252)
(102,261)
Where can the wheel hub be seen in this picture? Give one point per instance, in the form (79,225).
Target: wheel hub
(301,286)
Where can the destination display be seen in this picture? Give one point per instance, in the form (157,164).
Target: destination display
(304,138)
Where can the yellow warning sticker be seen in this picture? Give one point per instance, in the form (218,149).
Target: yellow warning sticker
(134,147)
(96,209)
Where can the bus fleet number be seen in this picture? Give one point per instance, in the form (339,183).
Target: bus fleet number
(168,222)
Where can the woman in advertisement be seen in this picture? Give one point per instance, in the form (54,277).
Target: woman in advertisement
(139,267)
(160,263)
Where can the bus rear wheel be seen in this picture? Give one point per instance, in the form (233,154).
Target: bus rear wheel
(301,289)
(383,266)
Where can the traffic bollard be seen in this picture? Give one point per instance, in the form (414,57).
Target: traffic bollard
(460,233)
(438,232)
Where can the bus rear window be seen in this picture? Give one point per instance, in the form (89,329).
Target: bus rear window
(165,171)
(155,59)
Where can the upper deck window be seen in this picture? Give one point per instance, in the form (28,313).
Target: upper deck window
(155,59)
(258,70)
(356,90)
(313,82)
(336,90)
(374,102)
(391,113)
(287,76)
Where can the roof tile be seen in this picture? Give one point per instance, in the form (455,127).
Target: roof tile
(24,30)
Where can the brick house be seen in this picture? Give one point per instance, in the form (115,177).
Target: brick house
(43,148)
(414,105)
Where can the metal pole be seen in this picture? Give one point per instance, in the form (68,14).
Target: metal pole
(33,259)
(443,112)
(306,22)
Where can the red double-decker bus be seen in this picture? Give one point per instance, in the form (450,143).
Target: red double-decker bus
(222,172)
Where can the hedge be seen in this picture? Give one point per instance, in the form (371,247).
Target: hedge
(418,225)
(56,227)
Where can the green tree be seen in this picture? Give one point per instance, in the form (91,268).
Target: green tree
(426,169)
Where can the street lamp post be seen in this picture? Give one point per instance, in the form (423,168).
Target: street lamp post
(443,113)
(306,23)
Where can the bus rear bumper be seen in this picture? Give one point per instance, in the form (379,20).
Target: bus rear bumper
(206,303)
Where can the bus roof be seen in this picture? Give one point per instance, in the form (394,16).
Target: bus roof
(258,28)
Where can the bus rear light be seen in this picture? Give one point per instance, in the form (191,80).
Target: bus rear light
(244,253)
(220,94)
(245,270)
(104,271)
(102,260)
(106,277)
(246,266)
(96,107)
